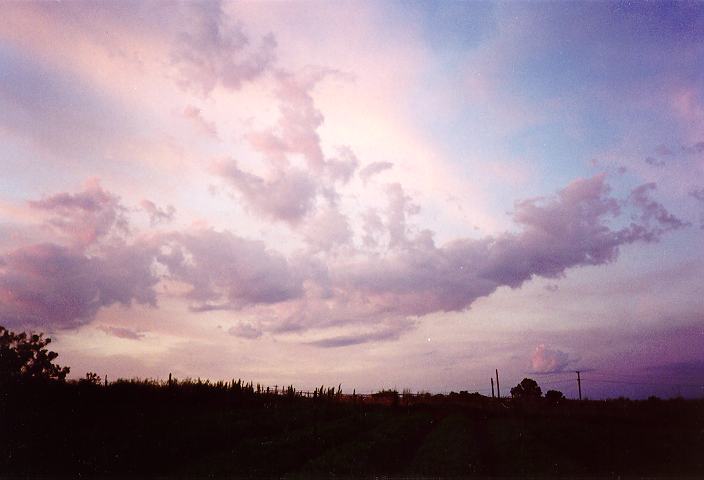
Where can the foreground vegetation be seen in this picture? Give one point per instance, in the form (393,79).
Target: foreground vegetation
(141,427)
(128,428)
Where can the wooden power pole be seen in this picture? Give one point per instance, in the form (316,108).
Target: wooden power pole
(498,389)
(492,387)
(579,385)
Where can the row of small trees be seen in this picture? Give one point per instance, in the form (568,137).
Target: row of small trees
(529,389)
(25,357)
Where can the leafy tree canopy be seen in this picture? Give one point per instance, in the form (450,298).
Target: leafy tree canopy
(554,396)
(528,388)
(24,358)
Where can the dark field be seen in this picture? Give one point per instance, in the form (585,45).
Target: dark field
(131,428)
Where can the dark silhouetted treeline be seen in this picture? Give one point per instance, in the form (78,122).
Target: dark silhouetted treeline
(202,428)
(53,427)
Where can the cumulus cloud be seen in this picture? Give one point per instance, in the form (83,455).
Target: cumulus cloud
(373,228)
(52,286)
(328,229)
(296,130)
(84,217)
(374,293)
(663,150)
(400,207)
(194,115)
(655,162)
(698,194)
(652,213)
(121,332)
(693,149)
(566,231)
(158,215)
(358,338)
(225,271)
(372,169)
(211,50)
(342,167)
(289,191)
(245,330)
(287,195)
(546,360)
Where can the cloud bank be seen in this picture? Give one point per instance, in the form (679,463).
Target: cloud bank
(376,292)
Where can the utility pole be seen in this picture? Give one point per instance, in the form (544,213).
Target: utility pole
(579,385)
(498,389)
(492,387)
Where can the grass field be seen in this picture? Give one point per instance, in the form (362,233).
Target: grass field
(144,428)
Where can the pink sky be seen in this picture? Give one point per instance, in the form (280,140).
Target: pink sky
(378,194)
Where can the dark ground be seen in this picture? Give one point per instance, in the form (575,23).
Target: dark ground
(130,429)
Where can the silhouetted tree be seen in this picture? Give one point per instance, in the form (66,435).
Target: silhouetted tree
(24,357)
(528,388)
(91,378)
(554,396)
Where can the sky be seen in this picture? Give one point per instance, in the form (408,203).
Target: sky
(398,195)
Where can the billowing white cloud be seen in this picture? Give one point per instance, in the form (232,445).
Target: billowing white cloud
(546,360)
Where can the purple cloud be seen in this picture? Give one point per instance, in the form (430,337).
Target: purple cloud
(570,230)
(51,286)
(158,215)
(698,194)
(400,206)
(373,228)
(546,360)
(288,195)
(693,149)
(342,167)
(122,332)
(210,50)
(296,130)
(196,117)
(84,217)
(245,330)
(286,192)
(652,212)
(327,230)
(225,271)
(663,150)
(372,169)
(356,339)
(655,162)
(60,286)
